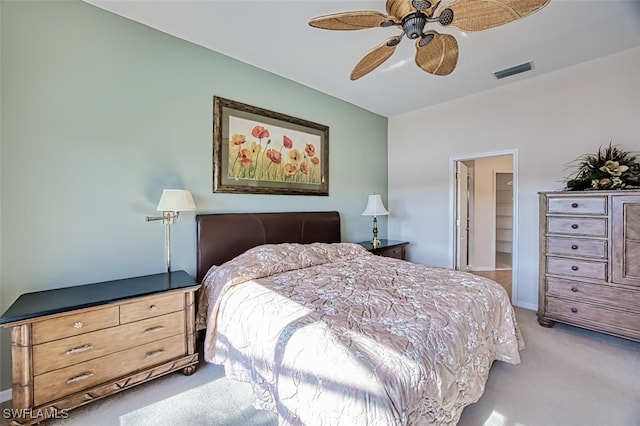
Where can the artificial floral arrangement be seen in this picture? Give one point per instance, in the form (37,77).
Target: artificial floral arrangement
(611,168)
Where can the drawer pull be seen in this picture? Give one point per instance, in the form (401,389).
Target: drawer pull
(574,226)
(80,377)
(574,205)
(154,329)
(154,353)
(79,350)
(574,289)
(153,308)
(78,324)
(574,310)
(574,247)
(574,268)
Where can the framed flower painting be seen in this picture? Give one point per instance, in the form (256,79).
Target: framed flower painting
(257,151)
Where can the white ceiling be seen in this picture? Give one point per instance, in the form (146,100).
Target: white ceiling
(274,35)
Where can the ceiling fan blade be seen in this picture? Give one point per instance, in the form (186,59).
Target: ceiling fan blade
(478,15)
(374,58)
(400,8)
(349,21)
(437,53)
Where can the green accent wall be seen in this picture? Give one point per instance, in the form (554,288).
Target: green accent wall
(99,114)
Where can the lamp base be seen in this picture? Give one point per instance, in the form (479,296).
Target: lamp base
(375,242)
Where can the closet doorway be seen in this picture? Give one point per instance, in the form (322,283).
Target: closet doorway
(484,195)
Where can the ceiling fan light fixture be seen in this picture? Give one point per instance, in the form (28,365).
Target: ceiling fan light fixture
(517,69)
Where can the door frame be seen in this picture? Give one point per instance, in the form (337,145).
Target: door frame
(461,212)
(452,210)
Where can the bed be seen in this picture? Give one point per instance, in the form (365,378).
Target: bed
(327,333)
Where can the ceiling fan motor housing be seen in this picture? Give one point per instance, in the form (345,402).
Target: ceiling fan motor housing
(413,25)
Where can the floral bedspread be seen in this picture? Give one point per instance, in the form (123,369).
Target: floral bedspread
(331,334)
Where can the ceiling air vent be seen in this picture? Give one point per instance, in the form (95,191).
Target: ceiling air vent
(527,66)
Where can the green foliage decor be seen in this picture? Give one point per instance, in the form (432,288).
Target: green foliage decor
(610,169)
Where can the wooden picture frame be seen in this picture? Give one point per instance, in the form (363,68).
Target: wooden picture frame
(257,151)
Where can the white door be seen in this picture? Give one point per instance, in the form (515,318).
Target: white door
(462,216)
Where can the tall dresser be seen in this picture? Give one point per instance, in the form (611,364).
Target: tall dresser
(590,261)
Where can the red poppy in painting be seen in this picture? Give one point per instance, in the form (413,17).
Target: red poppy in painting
(245,156)
(310,150)
(274,156)
(315,160)
(303,168)
(287,142)
(260,132)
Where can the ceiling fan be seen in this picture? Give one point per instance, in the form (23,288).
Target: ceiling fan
(436,53)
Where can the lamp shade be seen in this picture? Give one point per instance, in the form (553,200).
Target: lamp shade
(176,200)
(375,207)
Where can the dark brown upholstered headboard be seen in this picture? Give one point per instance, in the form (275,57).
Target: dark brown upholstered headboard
(223,236)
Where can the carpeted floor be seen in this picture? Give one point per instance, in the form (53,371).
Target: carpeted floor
(567,377)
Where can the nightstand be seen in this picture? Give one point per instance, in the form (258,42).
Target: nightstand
(74,345)
(388,248)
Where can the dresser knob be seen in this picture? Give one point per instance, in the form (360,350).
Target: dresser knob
(574,205)
(78,324)
(574,310)
(574,226)
(574,289)
(574,247)
(153,307)
(574,268)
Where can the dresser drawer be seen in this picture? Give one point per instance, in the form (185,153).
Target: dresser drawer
(577,226)
(578,312)
(59,383)
(74,324)
(596,293)
(577,247)
(151,307)
(578,205)
(395,252)
(577,268)
(73,350)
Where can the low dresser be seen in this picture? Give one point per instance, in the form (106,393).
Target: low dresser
(73,345)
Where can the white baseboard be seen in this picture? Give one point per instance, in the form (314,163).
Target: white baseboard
(481,268)
(525,305)
(5,395)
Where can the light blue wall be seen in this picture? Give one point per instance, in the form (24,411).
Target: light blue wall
(99,114)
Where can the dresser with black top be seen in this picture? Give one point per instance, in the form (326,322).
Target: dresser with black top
(74,345)
(590,261)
